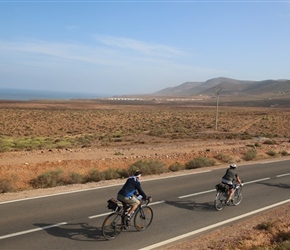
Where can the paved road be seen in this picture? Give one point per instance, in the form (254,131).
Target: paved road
(181,205)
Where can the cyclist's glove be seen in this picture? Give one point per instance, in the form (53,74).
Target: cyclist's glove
(149,198)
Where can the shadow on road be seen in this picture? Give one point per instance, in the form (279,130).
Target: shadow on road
(77,231)
(192,205)
(279,185)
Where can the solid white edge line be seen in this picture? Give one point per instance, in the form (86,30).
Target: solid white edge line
(212,226)
(31,230)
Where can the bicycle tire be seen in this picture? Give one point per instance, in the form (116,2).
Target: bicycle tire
(238,196)
(143,218)
(112,226)
(220,201)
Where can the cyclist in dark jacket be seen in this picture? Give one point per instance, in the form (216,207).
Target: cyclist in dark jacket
(126,194)
(230,176)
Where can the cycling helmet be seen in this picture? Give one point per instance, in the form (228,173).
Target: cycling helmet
(137,173)
(233,165)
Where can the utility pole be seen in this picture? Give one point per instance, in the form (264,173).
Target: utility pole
(217,106)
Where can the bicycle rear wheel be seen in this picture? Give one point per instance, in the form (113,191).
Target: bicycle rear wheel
(112,226)
(220,201)
(238,196)
(143,218)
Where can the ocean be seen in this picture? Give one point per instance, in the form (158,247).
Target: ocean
(26,95)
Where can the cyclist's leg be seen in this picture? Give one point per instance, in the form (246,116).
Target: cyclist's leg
(134,202)
(231,192)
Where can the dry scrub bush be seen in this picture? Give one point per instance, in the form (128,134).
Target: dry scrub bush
(148,167)
(200,162)
(6,186)
(250,155)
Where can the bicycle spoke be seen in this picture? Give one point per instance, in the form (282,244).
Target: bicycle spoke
(238,196)
(143,218)
(220,201)
(112,226)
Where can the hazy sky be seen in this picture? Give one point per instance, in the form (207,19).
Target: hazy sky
(140,47)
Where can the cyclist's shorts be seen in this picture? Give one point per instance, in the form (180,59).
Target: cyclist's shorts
(128,200)
(229,183)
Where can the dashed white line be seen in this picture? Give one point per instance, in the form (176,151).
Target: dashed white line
(212,190)
(281,175)
(31,230)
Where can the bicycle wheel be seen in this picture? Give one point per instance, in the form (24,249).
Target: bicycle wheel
(143,218)
(238,196)
(112,226)
(220,201)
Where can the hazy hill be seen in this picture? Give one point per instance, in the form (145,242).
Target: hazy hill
(228,86)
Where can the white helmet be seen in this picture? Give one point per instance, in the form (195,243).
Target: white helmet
(233,165)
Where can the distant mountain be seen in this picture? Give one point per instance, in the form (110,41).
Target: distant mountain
(228,86)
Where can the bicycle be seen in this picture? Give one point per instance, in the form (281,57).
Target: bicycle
(115,222)
(223,193)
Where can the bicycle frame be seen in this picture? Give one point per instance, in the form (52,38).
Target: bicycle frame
(115,222)
(222,196)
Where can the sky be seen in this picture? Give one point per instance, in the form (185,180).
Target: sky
(140,47)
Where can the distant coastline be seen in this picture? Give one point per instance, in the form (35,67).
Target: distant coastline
(26,95)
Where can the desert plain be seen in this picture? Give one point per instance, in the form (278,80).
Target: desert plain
(77,136)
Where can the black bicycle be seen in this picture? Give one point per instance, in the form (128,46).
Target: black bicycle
(115,222)
(223,193)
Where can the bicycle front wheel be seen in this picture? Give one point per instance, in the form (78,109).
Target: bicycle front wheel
(220,201)
(238,196)
(112,226)
(143,218)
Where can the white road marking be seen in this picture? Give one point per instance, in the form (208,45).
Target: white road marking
(31,230)
(281,175)
(212,190)
(189,195)
(268,178)
(212,226)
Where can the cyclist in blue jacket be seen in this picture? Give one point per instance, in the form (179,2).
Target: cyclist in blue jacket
(126,194)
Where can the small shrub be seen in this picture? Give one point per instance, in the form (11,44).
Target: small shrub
(6,186)
(123,173)
(176,167)
(272,153)
(110,174)
(95,175)
(251,154)
(284,153)
(282,236)
(199,163)
(74,178)
(269,142)
(267,226)
(148,167)
(48,179)
(223,157)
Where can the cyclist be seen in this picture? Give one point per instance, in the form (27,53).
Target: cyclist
(230,176)
(128,191)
